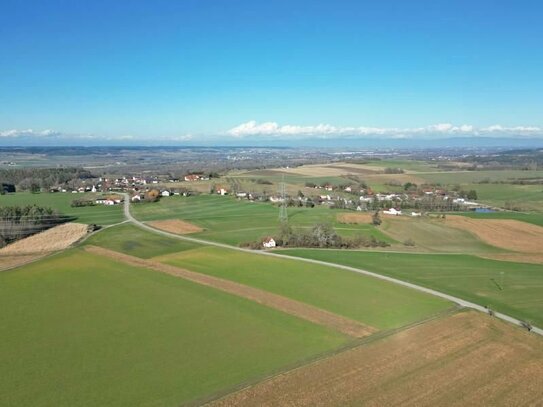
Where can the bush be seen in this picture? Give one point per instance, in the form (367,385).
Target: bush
(409,242)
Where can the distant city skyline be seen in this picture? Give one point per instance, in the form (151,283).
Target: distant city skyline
(246,72)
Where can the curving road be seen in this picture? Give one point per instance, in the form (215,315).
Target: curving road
(459,301)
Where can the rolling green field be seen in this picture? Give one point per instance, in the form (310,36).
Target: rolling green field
(526,197)
(231,221)
(130,239)
(368,300)
(365,299)
(99,214)
(469,177)
(80,330)
(517,292)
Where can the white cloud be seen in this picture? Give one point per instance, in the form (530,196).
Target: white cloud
(13,133)
(273,129)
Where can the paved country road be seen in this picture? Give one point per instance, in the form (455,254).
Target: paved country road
(459,301)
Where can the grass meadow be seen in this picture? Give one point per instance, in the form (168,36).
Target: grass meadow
(365,299)
(81,330)
(231,221)
(99,214)
(368,300)
(512,288)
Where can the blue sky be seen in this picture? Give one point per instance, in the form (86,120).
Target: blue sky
(195,70)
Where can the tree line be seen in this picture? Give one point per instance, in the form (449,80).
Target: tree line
(18,222)
(35,179)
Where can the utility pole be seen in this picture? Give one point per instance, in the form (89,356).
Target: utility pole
(283,214)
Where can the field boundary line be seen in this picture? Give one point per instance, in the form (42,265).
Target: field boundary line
(289,306)
(222,394)
(456,300)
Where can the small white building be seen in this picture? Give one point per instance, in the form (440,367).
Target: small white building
(268,242)
(393,212)
(222,191)
(416,214)
(165,193)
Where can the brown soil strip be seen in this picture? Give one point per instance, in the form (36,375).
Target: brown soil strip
(468,359)
(504,233)
(176,226)
(299,309)
(54,239)
(354,218)
(9,262)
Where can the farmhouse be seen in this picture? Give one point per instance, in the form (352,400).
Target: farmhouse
(393,211)
(192,177)
(268,242)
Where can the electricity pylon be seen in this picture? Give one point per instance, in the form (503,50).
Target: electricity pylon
(283,215)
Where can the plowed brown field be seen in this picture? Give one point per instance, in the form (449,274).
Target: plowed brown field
(299,309)
(9,262)
(356,218)
(177,226)
(468,359)
(504,233)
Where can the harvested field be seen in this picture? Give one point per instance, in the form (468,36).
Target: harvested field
(51,240)
(176,226)
(468,359)
(9,262)
(330,170)
(296,308)
(503,233)
(354,218)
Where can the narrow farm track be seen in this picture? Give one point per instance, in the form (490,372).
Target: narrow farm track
(456,300)
(304,311)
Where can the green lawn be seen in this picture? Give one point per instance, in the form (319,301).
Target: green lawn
(467,177)
(81,330)
(99,214)
(366,299)
(469,277)
(135,241)
(228,220)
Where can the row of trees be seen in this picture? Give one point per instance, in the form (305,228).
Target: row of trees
(321,235)
(35,179)
(17,222)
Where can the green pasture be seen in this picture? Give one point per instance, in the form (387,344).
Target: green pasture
(527,197)
(469,177)
(407,165)
(232,221)
(513,288)
(99,214)
(366,299)
(81,330)
(130,239)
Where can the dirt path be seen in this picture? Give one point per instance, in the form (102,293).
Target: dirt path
(468,359)
(299,309)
